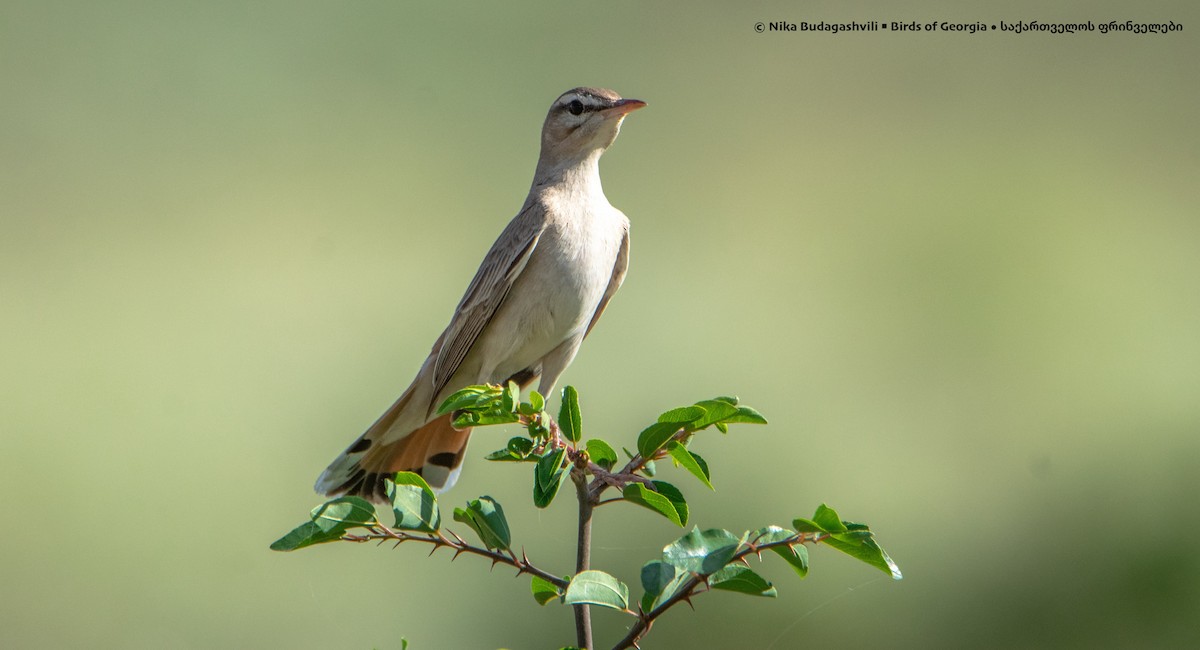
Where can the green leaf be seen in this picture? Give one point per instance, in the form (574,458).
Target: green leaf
(518,449)
(601,453)
(570,419)
(853,539)
(486,518)
(548,477)
(597,588)
(741,579)
(747,415)
(661,581)
(511,397)
(503,456)
(328,523)
(675,497)
(714,411)
(537,425)
(795,555)
(682,415)
(414,503)
(666,501)
(690,462)
(861,545)
(722,427)
(469,397)
(829,521)
(769,535)
(548,467)
(803,525)
(537,401)
(481,418)
(344,513)
(702,552)
(520,445)
(730,400)
(482,405)
(544,591)
(306,534)
(486,418)
(701,462)
(655,436)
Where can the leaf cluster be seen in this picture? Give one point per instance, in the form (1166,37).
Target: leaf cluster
(698,561)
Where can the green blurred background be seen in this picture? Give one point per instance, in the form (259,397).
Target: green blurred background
(959,273)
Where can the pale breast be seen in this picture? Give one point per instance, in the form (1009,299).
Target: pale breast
(556,295)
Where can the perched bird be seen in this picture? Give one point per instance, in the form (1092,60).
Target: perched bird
(538,293)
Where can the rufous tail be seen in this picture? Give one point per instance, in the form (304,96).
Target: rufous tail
(434,450)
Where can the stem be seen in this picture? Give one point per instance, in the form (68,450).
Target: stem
(630,472)
(583,556)
(438,540)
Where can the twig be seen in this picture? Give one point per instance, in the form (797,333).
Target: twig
(605,479)
(439,540)
(583,555)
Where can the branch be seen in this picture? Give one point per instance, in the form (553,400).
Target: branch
(583,556)
(438,540)
(688,589)
(605,479)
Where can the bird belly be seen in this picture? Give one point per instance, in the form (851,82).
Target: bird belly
(551,302)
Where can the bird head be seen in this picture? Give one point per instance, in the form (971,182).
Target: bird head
(581,124)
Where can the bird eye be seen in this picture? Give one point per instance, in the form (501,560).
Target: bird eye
(576,107)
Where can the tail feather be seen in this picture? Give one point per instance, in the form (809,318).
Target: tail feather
(435,451)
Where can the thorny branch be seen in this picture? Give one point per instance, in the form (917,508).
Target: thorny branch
(629,473)
(544,426)
(439,540)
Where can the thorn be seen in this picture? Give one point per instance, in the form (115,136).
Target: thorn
(494,561)
(431,551)
(457,552)
(398,546)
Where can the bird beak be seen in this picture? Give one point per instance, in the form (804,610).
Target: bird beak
(624,107)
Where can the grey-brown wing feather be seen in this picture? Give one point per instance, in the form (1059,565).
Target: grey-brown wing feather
(614,283)
(492,282)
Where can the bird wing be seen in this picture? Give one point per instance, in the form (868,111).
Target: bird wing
(492,282)
(614,283)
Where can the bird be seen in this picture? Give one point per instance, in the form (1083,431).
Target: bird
(538,293)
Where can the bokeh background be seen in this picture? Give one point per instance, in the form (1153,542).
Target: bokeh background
(958,272)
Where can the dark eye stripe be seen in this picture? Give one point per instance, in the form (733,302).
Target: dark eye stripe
(585,107)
